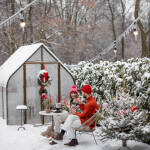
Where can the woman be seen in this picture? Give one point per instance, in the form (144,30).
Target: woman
(59,119)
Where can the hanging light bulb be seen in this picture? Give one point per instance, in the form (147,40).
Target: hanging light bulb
(135,31)
(22,21)
(101,61)
(115,50)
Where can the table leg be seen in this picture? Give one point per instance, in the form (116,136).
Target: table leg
(52,142)
(21,122)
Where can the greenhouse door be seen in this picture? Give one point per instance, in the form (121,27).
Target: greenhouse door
(32,97)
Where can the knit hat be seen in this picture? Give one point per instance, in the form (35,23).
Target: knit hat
(86,89)
(73,89)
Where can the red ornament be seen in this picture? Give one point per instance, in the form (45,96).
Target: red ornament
(43,87)
(43,96)
(133,108)
(122,112)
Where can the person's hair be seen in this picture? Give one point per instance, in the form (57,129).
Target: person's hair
(74,93)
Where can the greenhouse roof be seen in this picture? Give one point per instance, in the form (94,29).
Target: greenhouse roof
(17,59)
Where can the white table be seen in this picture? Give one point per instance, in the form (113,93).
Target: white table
(52,114)
(21,108)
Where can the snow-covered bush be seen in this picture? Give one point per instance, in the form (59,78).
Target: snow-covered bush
(105,78)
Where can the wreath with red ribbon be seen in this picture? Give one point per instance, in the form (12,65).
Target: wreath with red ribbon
(43,77)
(43,80)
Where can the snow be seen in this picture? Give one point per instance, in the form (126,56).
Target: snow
(21,107)
(146,75)
(30,139)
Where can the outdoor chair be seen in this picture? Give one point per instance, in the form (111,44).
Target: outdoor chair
(84,128)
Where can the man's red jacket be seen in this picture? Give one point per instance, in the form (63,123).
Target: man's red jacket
(88,110)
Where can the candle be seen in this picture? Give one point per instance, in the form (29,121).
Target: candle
(64,100)
(50,99)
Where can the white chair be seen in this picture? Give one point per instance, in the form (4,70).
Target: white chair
(84,128)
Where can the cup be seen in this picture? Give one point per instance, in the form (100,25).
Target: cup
(58,105)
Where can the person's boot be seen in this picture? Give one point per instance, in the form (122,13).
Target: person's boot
(47,133)
(73,142)
(60,135)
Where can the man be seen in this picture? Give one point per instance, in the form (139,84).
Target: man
(75,119)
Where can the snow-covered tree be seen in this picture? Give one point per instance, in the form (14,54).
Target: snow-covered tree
(122,118)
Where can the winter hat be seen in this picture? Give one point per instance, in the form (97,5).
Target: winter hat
(87,89)
(73,89)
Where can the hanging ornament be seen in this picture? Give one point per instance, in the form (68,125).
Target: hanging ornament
(43,78)
(105,105)
(122,112)
(43,96)
(133,108)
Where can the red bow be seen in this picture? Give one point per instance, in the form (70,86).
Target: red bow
(44,78)
(133,108)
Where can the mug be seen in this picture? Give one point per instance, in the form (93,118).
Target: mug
(58,105)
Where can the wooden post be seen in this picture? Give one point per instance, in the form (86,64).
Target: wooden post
(124,143)
(59,86)
(42,104)
(25,92)
(3,102)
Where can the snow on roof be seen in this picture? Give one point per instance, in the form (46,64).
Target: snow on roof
(17,59)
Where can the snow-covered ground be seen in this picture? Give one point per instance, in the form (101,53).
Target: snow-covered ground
(30,139)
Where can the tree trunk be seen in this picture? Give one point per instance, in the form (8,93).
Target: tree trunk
(144,34)
(123,27)
(112,20)
(149,33)
(30,23)
(12,41)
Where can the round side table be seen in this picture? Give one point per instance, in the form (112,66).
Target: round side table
(21,108)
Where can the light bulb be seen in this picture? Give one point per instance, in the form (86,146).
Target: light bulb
(135,32)
(22,23)
(100,61)
(115,51)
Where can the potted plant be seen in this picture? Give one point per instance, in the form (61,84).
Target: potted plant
(48,105)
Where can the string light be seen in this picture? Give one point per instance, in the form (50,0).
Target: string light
(101,61)
(22,20)
(135,31)
(115,50)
